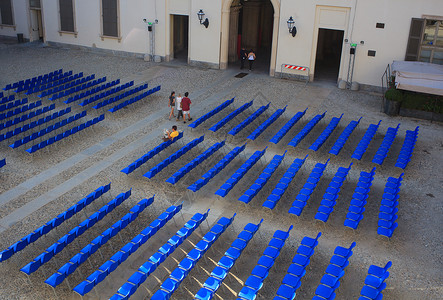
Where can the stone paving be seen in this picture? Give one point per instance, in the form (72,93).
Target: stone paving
(37,187)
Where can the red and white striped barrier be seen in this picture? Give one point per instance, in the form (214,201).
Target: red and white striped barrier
(295,68)
(298,68)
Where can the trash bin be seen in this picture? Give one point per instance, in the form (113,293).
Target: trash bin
(20,38)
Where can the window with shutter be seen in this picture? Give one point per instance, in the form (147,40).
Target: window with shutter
(66,16)
(413,48)
(426,40)
(6,13)
(110,18)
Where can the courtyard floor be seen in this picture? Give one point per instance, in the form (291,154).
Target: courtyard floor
(36,188)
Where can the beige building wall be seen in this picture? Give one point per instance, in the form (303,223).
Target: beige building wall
(389,43)
(209,46)
(87,14)
(20,10)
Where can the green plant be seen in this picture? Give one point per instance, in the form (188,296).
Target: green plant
(420,101)
(394,95)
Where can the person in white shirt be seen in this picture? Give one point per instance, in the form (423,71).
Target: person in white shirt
(178,104)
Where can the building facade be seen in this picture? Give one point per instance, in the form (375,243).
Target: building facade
(334,39)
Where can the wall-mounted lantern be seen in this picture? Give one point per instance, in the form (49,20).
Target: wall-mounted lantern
(201,15)
(291,26)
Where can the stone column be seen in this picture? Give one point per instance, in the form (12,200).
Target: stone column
(224,39)
(274,42)
(233,33)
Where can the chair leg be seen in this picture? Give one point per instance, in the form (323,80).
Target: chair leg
(55,294)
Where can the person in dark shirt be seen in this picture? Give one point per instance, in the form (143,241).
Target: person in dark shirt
(186,106)
(243,57)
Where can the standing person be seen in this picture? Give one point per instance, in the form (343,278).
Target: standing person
(243,56)
(178,104)
(186,105)
(251,58)
(171,104)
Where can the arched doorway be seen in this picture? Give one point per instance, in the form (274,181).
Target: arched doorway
(252,24)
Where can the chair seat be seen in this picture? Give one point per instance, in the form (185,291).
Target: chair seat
(254,282)
(292,281)
(286,292)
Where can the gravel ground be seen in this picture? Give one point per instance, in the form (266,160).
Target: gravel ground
(415,248)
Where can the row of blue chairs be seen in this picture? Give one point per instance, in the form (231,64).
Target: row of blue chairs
(408,147)
(47,130)
(173,157)
(365,141)
(239,173)
(388,208)
(262,179)
(248,120)
(73,87)
(135,99)
(121,96)
(123,254)
(326,133)
(55,222)
(28,116)
(65,134)
(19,110)
(106,93)
(359,199)
(259,130)
(34,124)
(62,84)
(305,193)
(386,144)
(194,163)
(211,113)
(92,91)
(138,162)
(297,269)
(171,284)
(344,136)
(39,78)
(229,117)
(260,272)
(285,129)
(2,163)
(375,282)
(283,183)
(131,286)
(74,233)
(44,85)
(334,272)
(196,186)
(6,99)
(224,265)
(330,197)
(13,104)
(78,88)
(68,268)
(305,131)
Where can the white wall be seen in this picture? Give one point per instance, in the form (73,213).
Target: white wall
(21,19)
(134,36)
(204,43)
(389,43)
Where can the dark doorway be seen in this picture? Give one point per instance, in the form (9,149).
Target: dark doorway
(253,29)
(181,37)
(328,57)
